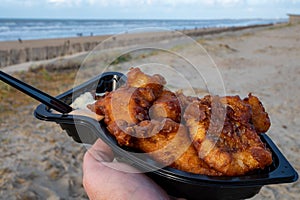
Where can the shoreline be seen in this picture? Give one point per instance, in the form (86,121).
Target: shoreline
(17,52)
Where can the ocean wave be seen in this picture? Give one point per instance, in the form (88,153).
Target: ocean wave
(12,29)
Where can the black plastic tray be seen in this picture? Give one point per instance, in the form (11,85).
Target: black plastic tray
(177,183)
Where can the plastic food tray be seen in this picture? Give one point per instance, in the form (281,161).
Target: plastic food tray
(177,183)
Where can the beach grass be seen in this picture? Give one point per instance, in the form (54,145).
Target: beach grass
(51,81)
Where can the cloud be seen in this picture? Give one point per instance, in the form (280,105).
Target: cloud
(133,3)
(117,3)
(65,2)
(153,3)
(179,2)
(27,3)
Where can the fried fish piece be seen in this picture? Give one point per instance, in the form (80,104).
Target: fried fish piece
(237,109)
(132,101)
(125,103)
(260,117)
(123,132)
(137,79)
(233,147)
(221,134)
(166,106)
(166,141)
(171,145)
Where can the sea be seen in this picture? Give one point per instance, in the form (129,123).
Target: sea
(29,29)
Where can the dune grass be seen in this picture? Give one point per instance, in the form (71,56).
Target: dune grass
(53,82)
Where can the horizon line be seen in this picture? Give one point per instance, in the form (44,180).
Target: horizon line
(64,18)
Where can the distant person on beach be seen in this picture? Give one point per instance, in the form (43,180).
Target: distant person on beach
(104,182)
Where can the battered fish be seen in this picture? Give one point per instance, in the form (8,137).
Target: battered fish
(167,142)
(260,117)
(234,148)
(215,136)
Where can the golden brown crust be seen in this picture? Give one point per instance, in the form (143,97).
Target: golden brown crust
(170,145)
(123,104)
(260,117)
(136,78)
(122,131)
(132,101)
(166,106)
(236,148)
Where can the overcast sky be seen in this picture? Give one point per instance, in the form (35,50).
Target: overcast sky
(148,9)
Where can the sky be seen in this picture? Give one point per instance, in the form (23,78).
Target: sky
(148,9)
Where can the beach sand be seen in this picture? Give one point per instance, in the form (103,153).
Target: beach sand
(39,161)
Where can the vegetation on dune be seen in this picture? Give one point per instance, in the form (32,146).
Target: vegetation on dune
(48,79)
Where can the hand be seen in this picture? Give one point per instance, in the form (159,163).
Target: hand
(104,179)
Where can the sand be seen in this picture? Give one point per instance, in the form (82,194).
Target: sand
(39,161)
(17,52)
